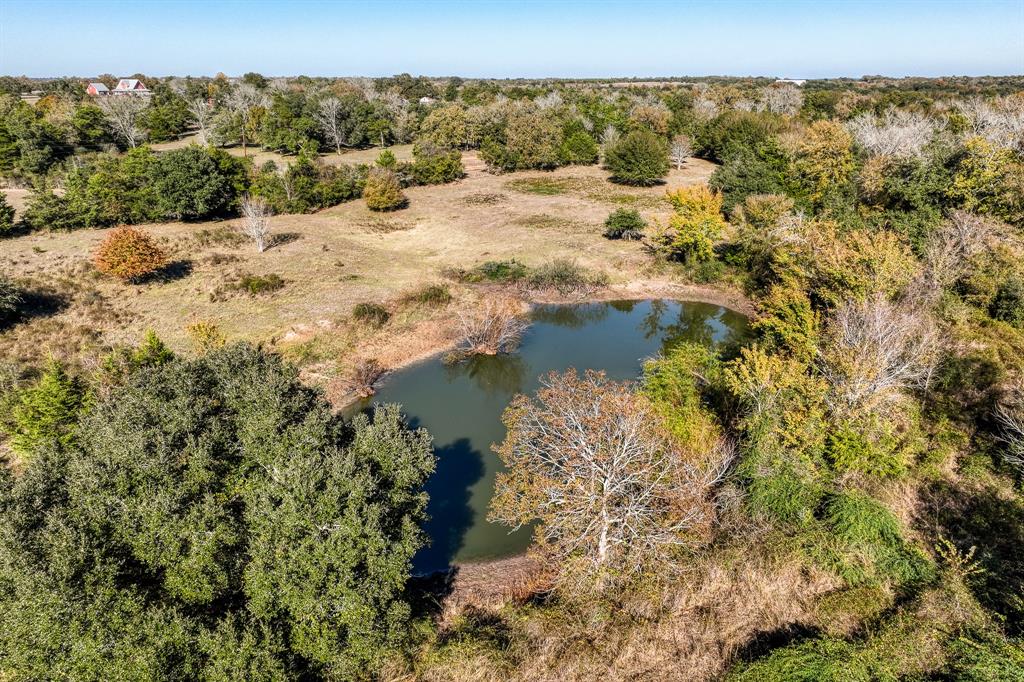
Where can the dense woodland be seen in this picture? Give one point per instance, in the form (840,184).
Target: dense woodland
(837,498)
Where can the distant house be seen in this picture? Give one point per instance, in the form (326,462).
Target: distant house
(130,86)
(427,100)
(97,89)
(794,81)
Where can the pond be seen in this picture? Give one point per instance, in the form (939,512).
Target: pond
(461,404)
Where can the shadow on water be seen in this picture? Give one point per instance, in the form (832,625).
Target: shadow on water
(461,404)
(493,374)
(459,467)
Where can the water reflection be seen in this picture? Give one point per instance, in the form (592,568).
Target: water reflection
(461,404)
(572,316)
(493,374)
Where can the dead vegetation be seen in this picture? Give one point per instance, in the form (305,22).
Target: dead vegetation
(692,629)
(495,327)
(364,374)
(329,262)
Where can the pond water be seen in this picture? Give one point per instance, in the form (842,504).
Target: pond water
(461,404)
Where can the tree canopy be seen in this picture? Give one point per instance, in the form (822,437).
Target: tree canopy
(213,519)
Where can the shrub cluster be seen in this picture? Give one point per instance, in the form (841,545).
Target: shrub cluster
(373,314)
(625,223)
(639,158)
(129,254)
(142,186)
(383,191)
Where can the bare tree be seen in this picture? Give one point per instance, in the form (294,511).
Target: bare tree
(256,225)
(202,113)
(609,138)
(363,376)
(705,107)
(875,351)
(329,116)
(782,99)
(1000,121)
(402,120)
(124,112)
(897,133)
(550,100)
(495,328)
(590,461)
(1010,415)
(949,249)
(681,150)
(243,101)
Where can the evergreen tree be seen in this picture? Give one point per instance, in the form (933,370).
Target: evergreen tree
(214,520)
(47,413)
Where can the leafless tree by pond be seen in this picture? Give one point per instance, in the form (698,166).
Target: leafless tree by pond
(496,327)
(591,463)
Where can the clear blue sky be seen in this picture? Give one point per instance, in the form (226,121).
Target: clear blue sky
(501,38)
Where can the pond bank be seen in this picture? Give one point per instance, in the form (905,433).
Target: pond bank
(436,335)
(461,405)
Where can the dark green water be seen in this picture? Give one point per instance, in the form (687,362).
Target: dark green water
(461,404)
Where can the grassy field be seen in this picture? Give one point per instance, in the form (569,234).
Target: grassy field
(332,260)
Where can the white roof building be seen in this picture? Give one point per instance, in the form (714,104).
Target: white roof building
(131,85)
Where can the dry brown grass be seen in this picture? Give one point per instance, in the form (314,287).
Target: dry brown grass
(334,259)
(689,629)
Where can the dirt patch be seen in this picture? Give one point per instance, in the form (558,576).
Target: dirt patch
(17,198)
(333,260)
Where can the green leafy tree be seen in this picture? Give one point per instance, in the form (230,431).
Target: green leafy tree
(532,139)
(825,161)
(434,165)
(10,300)
(47,413)
(578,146)
(446,127)
(763,169)
(215,520)
(386,159)
(735,131)
(990,180)
(167,116)
(639,158)
(189,185)
(624,223)
(90,126)
(6,217)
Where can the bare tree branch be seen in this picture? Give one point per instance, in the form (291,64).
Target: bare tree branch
(202,112)
(875,351)
(1010,415)
(898,133)
(681,150)
(124,112)
(495,328)
(256,226)
(590,461)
